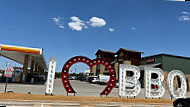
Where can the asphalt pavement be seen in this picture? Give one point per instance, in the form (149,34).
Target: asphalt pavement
(81,87)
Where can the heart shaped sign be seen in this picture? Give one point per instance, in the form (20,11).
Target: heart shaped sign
(90,63)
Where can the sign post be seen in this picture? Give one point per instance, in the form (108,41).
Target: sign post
(6,85)
(8,74)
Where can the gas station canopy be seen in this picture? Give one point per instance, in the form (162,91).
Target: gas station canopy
(18,53)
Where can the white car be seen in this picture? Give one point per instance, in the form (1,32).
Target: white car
(95,80)
(103,79)
(127,85)
(74,77)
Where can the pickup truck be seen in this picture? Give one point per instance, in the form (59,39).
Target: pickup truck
(103,79)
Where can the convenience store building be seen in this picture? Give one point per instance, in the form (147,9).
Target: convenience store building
(168,62)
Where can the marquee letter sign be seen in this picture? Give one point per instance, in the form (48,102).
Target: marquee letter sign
(159,89)
(129,85)
(90,63)
(125,80)
(180,93)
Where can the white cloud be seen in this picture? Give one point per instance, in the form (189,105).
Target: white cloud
(97,22)
(184,17)
(185,13)
(57,21)
(111,29)
(133,28)
(85,27)
(77,24)
(76,19)
(61,26)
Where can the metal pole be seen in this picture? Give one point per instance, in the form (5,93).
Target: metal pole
(6,85)
(6,81)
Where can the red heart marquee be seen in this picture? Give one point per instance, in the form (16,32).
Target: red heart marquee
(90,63)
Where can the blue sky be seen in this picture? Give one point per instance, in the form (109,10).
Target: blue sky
(66,28)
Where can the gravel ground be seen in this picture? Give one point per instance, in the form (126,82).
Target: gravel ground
(82,99)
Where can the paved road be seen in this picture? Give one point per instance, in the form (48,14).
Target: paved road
(82,88)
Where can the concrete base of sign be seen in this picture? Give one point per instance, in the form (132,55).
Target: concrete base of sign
(50,94)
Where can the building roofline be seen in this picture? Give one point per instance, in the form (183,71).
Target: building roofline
(106,51)
(167,55)
(129,50)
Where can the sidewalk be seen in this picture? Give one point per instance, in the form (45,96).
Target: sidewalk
(30,103)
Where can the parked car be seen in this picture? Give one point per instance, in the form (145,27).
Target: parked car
(43,77)
(92,78)
(74,77)
(81,78)
(70,78)
(182,102)
(103,79)
(37,77)
(127,85)
(30,76)
(95,80)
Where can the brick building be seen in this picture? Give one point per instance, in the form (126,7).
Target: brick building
(122,56)
(166,62)
(103,54)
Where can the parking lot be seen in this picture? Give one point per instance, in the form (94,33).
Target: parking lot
(81,87)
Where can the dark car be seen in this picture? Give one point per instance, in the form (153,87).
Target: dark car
(81,78)
(90,79)
(34,75)
(182,102)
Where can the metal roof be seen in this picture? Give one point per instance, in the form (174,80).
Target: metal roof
(17,54)
(163,54)
(106,51)
(129,50)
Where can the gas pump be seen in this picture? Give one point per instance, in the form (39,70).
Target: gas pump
(17,74)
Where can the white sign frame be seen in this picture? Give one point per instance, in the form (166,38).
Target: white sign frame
(51,76)
(123,79)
